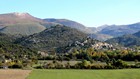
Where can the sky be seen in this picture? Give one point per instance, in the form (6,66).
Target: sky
(91,13)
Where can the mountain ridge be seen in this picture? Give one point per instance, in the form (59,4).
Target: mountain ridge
(70,23)
(26,24)
(130,40)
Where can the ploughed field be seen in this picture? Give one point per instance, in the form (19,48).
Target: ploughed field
(14,73)
(84,74)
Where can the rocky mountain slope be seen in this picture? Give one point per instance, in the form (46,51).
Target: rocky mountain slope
(52,38)
(127,40)
(21,23)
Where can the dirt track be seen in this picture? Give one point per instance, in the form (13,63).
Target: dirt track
(14,74)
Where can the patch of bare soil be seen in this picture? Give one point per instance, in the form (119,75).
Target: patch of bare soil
(14,74)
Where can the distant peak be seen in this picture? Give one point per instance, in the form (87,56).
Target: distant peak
(104,25)
(20,14)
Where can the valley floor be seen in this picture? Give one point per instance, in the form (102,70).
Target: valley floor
(85,74)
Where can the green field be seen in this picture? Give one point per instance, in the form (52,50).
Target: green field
(85,74)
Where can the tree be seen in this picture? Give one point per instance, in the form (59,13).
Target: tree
(119,64)
(2,51)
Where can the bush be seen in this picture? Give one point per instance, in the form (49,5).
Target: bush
(136,65)
(97,66)
(38,67)
(16,66)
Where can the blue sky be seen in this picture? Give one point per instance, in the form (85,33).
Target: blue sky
(91,13)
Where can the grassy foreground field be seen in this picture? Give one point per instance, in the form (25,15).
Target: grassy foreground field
(85,74)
